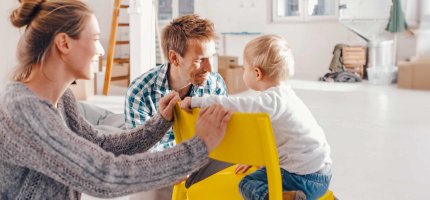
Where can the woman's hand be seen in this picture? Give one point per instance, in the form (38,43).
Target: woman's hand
(167,103)
(186,104)
(211,125)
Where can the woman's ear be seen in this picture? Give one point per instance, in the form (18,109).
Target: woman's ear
(173,58)
(258,73)
(62,43)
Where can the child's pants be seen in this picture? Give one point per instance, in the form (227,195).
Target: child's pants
(254,186)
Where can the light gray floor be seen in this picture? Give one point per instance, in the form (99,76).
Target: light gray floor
(379,136)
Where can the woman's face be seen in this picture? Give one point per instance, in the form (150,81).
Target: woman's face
(86,50)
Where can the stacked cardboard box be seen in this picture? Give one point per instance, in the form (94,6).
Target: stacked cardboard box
(354,59)
(232,74)
(414,74)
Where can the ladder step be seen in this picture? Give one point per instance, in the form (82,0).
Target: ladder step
(122,42)
(119,78)
(121,60)
(112,72)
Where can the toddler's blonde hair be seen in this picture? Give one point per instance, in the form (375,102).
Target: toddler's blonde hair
(272,54)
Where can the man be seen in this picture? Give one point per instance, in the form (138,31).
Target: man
(188,43)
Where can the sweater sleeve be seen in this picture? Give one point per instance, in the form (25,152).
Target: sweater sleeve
(124,142)
(34,136)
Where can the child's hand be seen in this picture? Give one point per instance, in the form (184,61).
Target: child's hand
(242,169)
(186,104)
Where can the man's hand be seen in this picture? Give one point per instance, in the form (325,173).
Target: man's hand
(167,103)
(186,104)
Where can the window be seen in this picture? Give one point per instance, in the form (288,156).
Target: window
(304,10)
(170,9)
(164,9)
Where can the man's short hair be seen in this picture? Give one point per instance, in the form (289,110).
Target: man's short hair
(181,30)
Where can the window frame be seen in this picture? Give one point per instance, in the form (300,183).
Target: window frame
(175,11)
(304,16)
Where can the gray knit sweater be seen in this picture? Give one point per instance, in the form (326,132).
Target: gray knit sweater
(53,153)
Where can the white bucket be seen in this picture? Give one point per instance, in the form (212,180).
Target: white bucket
(381,54)
(381,75)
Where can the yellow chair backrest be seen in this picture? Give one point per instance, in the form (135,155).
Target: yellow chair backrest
(248,140)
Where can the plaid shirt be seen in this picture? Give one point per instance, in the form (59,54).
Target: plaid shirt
(145,92)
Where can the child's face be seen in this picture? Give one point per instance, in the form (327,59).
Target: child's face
(249,74)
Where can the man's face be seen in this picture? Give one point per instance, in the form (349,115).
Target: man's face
(197,62)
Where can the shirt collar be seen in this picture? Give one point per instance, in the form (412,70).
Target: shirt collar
(163,80)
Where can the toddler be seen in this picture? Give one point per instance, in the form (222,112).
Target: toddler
(304,154)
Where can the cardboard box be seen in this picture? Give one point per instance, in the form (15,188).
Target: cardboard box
(83,89)
(232,74)
(354,59)
(234,79)
(414,74)
(224,62)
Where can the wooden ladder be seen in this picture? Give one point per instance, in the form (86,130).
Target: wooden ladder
(110,60)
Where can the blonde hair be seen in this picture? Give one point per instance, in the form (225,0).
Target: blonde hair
(177,35)
(272,54)
(43,20)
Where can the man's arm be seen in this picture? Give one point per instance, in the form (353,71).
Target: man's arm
(118,142)
(136,110)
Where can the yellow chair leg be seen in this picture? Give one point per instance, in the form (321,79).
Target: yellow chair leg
(179,191)
(327,196)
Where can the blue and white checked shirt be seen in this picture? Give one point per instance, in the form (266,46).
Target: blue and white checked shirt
(145,92)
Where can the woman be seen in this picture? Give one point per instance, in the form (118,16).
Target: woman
(48,151)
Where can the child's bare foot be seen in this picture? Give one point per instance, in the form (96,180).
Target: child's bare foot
(293,195)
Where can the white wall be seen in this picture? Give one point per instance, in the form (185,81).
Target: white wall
(103,11)
(423,34)
(9,36)
(312,41)
(140,15)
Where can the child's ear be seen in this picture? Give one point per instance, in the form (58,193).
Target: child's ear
(258,73)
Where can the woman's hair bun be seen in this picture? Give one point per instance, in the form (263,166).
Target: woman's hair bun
(26,12)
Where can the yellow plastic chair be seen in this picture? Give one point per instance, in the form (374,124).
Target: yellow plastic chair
(248,140)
